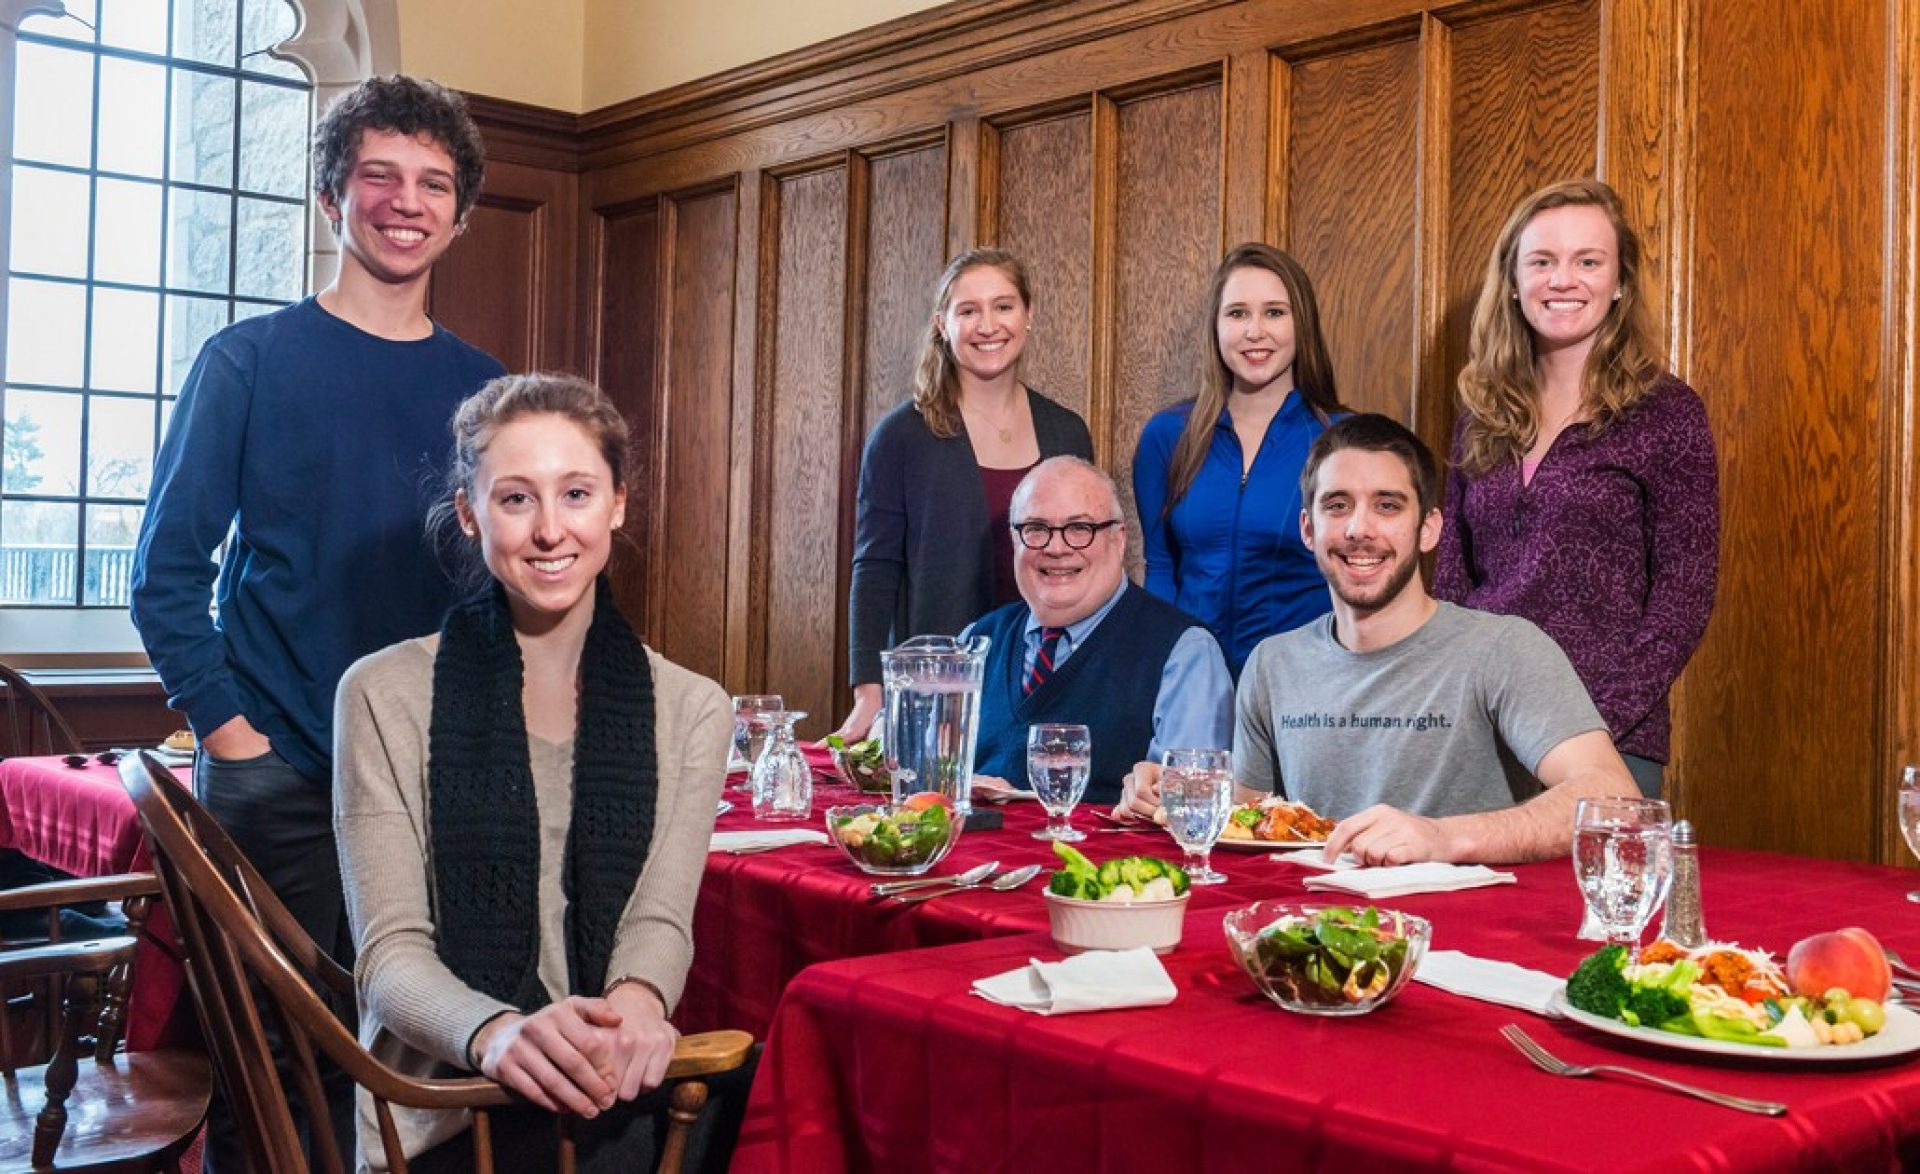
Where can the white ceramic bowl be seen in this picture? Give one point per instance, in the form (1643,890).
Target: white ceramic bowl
(1116,925)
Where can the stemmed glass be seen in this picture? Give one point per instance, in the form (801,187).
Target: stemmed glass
(751,729)
(1058,759)
(1196,793)
(782,781)
(1623,860)
(1910,812)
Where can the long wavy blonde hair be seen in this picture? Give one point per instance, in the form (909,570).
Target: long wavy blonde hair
(1499,388)
(1312,366)
(936,377)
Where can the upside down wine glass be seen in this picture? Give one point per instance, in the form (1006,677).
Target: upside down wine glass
(1623,860)
(1059,758)
(1196,793)
(1910,812)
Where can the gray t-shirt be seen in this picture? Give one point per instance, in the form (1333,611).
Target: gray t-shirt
(1452,720)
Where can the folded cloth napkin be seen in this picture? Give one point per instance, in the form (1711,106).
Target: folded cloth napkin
(1403,879)
(1098,980)
(1317,858)
(758,841)
(1488,979)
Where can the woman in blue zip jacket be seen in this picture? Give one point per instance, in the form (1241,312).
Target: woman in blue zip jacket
(1217,478)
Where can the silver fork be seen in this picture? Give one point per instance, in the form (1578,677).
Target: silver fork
(1900,966)
(1548,1062)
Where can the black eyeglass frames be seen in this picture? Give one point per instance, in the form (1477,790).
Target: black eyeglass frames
(1077,535)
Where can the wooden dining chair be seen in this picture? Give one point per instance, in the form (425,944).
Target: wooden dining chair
(236,929)
(29,721)
(91,1106)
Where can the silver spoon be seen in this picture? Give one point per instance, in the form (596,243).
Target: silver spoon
(1005,882)
(971,876)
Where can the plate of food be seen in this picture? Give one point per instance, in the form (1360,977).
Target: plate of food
(1827,1005)
(1274,825)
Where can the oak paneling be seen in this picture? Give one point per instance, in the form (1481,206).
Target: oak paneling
(627,272)
(697,417)
(905,253)
(1524,112)
(1043,194)
(1352,198)
(1163,253)
(509,284)
(805,607)
(1782,696)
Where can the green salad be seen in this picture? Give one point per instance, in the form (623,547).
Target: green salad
(904,838)
(1131,878)
(1333,958)
(862,763)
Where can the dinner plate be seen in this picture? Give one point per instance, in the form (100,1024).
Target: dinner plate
(1266,845)
(1900,1037)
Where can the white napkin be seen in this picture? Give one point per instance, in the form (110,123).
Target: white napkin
(1488,979)
(1403,879)
(1098,980)
(759,841)
(1317,858)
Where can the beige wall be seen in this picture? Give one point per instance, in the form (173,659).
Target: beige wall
(502,48)
(635,47)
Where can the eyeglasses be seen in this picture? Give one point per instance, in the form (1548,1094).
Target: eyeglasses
(1077,535)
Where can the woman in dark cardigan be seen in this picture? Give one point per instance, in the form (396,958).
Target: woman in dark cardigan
(931,550)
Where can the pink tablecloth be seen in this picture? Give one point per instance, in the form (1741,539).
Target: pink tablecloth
(82,821)
(889,1063)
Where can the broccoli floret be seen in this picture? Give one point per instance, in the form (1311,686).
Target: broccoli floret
(1077,877)
(1598,986)
(1652,1006)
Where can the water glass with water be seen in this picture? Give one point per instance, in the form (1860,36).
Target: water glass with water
(751,728)
(1196,795)
(782,780)
(1910,812)
(1623,861)
(1058,760)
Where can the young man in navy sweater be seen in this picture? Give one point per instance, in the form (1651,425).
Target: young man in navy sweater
(306,447)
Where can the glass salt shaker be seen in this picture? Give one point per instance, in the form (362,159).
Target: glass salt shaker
(1685,926)
(782,780)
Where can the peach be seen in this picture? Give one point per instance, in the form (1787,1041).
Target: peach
(1850,959)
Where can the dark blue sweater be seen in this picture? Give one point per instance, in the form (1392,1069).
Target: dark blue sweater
(320,446)
(1109,685)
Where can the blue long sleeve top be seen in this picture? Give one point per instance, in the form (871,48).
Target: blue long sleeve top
(1229,552)
(312,450)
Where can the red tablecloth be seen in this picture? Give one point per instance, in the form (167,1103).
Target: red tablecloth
(83,822)
(889,1062)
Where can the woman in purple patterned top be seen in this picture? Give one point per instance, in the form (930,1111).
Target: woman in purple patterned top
(1584,494)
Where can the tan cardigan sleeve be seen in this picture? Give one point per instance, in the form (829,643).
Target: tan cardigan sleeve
(379,817)
(693,725)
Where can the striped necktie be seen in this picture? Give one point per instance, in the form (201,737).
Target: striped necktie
(1043,660)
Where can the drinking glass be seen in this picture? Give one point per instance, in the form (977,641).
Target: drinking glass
(1910,812)
(1196,793)
(751,728)
(1623,860)
(782,781)
(1058,759)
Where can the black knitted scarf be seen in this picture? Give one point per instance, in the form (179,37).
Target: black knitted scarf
(483,818)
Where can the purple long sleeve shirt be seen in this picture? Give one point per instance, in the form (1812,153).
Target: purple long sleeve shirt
(1613,550)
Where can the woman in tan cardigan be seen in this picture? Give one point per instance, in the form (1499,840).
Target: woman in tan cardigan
(524,801)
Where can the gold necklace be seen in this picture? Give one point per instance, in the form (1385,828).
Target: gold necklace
(1006,433)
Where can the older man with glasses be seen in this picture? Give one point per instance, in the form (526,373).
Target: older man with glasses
(1086,646)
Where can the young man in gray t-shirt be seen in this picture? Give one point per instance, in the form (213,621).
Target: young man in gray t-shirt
(1431,732)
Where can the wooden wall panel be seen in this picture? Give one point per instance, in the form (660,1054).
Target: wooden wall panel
(906,249)
(1043,200)
(1352,198)
(805,605)
(1506,141)
(627,268)
(696,416)
(1163,252)
(1788,183)
(509,284)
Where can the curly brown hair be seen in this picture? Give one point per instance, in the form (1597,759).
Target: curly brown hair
(1499,388)
(399,105)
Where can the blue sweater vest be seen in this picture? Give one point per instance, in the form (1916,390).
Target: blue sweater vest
(1109,684)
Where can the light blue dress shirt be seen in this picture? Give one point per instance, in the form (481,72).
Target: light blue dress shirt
(1194,708)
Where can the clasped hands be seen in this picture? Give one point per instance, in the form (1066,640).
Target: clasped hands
(1380,835)
(581,1054)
